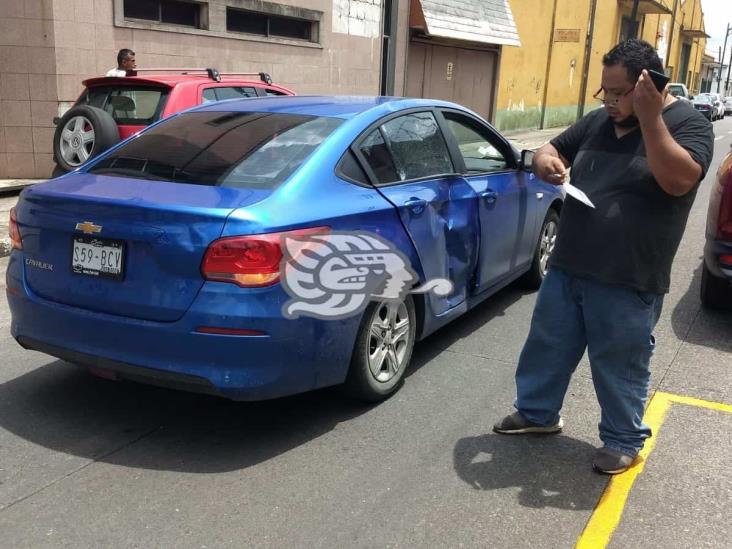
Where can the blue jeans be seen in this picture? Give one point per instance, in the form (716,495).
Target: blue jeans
(615,324)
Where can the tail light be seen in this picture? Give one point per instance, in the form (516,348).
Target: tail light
(15,241)
(724,182)
(251,261)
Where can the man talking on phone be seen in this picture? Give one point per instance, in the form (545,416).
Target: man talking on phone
(640,160)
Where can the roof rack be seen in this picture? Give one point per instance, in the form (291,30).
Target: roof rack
(212,73)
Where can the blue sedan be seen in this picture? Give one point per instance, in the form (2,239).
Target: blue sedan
(264,247)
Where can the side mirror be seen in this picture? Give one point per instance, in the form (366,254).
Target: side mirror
(527,161)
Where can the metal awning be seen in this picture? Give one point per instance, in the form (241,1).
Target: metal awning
(694,33)
(486,21)
(647,6)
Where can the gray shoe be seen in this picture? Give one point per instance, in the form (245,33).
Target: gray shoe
(611,462)
(516,424)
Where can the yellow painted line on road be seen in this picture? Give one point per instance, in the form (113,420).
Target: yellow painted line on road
(606,516)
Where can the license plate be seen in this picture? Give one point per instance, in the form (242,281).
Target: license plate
(98,257)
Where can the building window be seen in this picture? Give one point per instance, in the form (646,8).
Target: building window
(270,25)
(173,12)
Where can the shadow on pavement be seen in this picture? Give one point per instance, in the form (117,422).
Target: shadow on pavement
(61,407)
(464,326)
(550,471)
(698,325)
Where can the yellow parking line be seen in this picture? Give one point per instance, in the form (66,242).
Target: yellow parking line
(606,516)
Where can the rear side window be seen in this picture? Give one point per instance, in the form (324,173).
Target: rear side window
(418,146)
(227,149)
(233,92)
(128,105)
(378,157)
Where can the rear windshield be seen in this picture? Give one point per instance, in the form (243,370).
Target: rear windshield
(128,105)
(675,90)
(227,149)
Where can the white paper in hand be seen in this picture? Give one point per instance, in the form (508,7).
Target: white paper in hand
(574,192)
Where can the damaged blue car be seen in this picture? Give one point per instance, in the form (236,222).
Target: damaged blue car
(264,247)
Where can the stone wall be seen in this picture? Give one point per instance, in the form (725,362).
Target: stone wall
(28,88)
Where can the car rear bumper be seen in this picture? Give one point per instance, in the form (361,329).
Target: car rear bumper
(713,249)
(293,356)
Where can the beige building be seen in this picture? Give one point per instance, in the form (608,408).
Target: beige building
(47,47)
(518,63)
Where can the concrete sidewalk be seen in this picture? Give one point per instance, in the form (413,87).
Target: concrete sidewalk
(532,139)
(10,188)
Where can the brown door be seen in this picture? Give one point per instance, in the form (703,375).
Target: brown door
(465,76)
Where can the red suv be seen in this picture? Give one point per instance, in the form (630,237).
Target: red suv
(114,108)
(716,285)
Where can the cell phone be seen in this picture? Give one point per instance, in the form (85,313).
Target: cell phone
(659,80)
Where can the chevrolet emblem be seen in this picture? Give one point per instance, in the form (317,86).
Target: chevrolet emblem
(88,227)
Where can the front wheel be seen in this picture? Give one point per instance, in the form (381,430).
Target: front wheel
(544,249)
(382,351)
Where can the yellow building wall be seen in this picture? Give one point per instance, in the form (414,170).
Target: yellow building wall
(522,71)
(541,82)
(608,19)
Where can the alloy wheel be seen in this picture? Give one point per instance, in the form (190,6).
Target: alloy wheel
(389,341)
(548,241)
(77,140)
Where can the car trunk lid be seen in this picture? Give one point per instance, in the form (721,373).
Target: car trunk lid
(158,230)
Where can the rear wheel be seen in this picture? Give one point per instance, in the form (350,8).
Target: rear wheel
(716,293)
(81,134)
(544,249)
(383,350)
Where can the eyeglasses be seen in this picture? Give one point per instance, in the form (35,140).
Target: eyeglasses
(605,99)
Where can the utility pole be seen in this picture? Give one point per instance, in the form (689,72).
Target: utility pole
(633,22)
(721,59)
(726,84)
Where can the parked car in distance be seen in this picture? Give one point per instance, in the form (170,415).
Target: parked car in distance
(728,105)
(716,284)
(716,101)
(679,91)
(704,105)
(168,254)
(113,108)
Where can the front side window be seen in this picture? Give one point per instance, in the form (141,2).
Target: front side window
(128,105)
(227,149)
(478,152)
(418,147)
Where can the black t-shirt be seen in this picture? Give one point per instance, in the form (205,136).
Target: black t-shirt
(632,235)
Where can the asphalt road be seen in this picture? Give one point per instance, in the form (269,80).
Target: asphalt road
(86,462)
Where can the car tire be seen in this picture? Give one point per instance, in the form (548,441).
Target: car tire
(716,293)
(543,251)
(377,365)
(81,134)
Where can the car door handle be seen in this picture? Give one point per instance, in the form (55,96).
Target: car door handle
(489,196)
(416,205)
